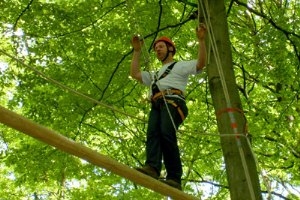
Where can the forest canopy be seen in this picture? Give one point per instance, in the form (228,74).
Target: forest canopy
(85,46)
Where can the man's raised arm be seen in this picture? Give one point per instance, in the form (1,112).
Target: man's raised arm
(201,32)
(135,71)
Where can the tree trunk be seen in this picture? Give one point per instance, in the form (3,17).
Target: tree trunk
(240,164)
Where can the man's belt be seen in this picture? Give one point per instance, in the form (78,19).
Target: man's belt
(167,92)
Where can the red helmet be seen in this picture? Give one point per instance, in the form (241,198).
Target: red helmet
(166,40)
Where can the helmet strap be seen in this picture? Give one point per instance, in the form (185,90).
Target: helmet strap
(168,52)
(167,55)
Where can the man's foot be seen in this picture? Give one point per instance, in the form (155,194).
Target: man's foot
(172,183)
(148,170)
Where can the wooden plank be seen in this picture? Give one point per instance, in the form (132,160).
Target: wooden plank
(67,145)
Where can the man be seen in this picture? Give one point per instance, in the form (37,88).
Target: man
(168,108)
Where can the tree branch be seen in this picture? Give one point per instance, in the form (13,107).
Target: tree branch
(22,13)
(271,21)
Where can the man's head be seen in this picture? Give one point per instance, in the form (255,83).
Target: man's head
(163,46)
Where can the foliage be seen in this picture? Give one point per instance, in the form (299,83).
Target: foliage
(85,45)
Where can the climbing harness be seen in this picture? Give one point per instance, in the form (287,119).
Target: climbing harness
(179,110)
(167,92)
(154,86)
(157,94)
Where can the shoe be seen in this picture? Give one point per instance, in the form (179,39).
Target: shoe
(172,183)
(148,170)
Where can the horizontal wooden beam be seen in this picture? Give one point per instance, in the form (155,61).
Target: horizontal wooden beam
(69,146)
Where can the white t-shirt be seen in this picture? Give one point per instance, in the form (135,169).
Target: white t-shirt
(176,79)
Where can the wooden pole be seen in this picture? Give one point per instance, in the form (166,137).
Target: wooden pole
(67,145)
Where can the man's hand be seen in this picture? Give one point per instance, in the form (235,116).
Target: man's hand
(135,71)
(137,43)
(201,31)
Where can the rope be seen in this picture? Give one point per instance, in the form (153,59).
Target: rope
(227,98)
(69,89)
(169,112)
(72,91)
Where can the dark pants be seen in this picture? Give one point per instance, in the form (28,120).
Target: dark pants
(161,138)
